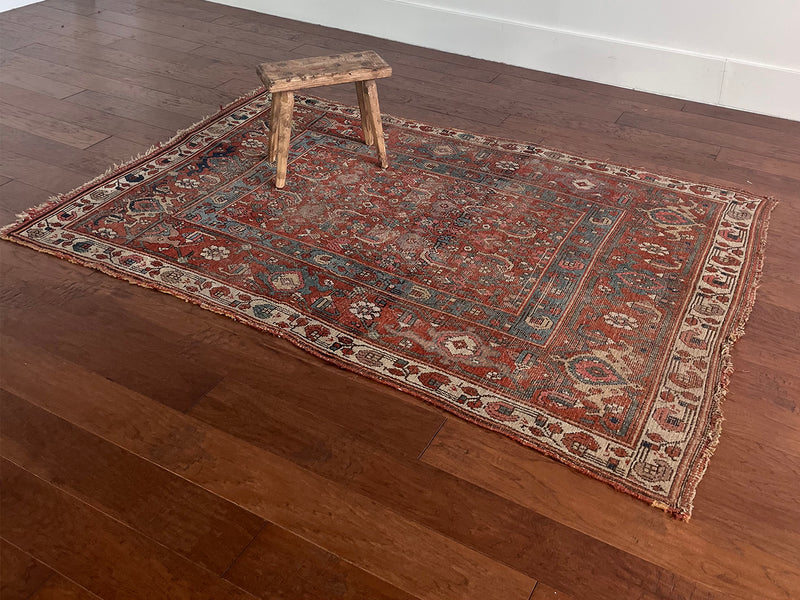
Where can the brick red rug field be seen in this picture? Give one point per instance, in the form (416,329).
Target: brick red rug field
(581,308)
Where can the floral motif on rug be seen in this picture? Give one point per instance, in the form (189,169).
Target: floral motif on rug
(581,308)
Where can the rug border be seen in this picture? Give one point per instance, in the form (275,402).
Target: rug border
(724,371)
(720,378)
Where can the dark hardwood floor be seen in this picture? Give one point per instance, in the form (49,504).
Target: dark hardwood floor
(151,449)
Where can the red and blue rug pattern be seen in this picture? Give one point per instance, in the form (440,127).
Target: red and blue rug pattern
(581,308)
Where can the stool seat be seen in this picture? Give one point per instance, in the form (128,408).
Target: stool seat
(304,73)
(283,78)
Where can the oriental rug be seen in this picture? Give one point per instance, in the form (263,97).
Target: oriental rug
(582,308)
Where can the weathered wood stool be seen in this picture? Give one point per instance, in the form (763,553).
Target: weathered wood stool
(284,78)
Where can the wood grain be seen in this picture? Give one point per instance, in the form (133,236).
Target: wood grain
(302,73)
(85,125)
(146,362)
(47,127)
(22,577)
(346,523)
(185,518)
(707,551)
(15,197)
(280,565)
(21,78)
(95,551)
(20,574)
(113,83)
(545,592)
(147,437)
(94,160)
(514,536)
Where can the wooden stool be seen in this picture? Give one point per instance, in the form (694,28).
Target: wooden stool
(284,78)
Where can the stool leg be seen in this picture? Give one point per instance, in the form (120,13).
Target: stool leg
(374,112)
(284,136)
(366,122)
(273,126)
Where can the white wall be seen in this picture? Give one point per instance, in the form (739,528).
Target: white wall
(9,4)
(735,53)
(762,31)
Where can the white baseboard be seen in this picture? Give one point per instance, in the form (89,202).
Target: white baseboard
(702,78)
(761,89)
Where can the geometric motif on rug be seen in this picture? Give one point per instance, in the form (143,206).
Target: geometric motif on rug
(581,308)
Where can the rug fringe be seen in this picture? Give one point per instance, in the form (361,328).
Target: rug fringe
(726,370)
(43,208)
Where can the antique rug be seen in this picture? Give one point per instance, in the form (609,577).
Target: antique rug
(584,309)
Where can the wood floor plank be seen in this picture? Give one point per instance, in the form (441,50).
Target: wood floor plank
(112,86)
(340,520)
(775,508)
(759,343)
(40,174)
(26,17)
(400,429)
(166,28)
(92,161)
(525,88)
(20,574)
(787,138)
(204,13)
(777,396)
(765,164)
(125,33)
(13,36)
(183,517)
(96,123)
(61,588)
(16,196)
(126,74)
(98,553)
(25,578)
(114,150)
(245,55)
(128,109)
(334,453)
(64,132)
(172,67)
(20,78)
(151,39)
(545,592)
(702,551)
(213,33)
(740,116)
(145,49)
(281,566)
(147,361)
(724,139)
